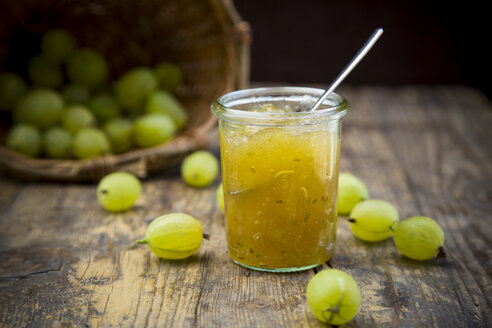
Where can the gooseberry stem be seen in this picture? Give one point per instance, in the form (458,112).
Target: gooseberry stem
(330,317)
(206,236)
(351,220)
(133,244)
(335,309)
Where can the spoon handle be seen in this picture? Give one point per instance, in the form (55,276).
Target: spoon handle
(362,52)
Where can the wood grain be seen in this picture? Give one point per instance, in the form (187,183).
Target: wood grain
(65,262)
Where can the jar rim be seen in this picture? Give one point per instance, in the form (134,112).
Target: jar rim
(334,107)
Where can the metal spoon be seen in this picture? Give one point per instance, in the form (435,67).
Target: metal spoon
(362,52)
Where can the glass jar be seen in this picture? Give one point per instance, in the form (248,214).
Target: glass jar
(280,175)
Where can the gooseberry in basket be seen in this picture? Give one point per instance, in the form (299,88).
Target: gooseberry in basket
(104,107)
(57,142)
(57,45)
(12,87)
(134,87)
(88,67)
(76,94)
(153,129)
(39,107)
(169,76)
(165,103)
(89,143)
(44,73)
(119,133)
(77,117)
(24,139)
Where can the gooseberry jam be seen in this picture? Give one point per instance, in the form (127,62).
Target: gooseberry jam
(280,180)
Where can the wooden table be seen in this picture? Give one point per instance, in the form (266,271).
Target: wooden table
(426,149)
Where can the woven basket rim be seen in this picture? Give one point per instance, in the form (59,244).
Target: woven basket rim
(237,33)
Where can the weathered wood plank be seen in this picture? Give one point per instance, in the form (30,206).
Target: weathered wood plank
(427,150)
(9,190)
(432,159)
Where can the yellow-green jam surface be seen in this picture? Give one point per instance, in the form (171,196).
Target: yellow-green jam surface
(280,188)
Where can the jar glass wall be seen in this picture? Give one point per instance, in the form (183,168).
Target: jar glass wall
(280,176)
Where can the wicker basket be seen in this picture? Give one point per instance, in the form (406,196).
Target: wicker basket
(207,38)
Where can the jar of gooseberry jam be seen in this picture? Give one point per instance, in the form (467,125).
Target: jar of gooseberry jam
(280,175)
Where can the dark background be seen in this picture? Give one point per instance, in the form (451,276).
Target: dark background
(425,42)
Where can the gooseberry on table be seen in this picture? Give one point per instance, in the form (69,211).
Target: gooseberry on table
(333,296)
(118,191)
(173,236)
(419,238)
(351,191)
(200,169)
(373,219)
